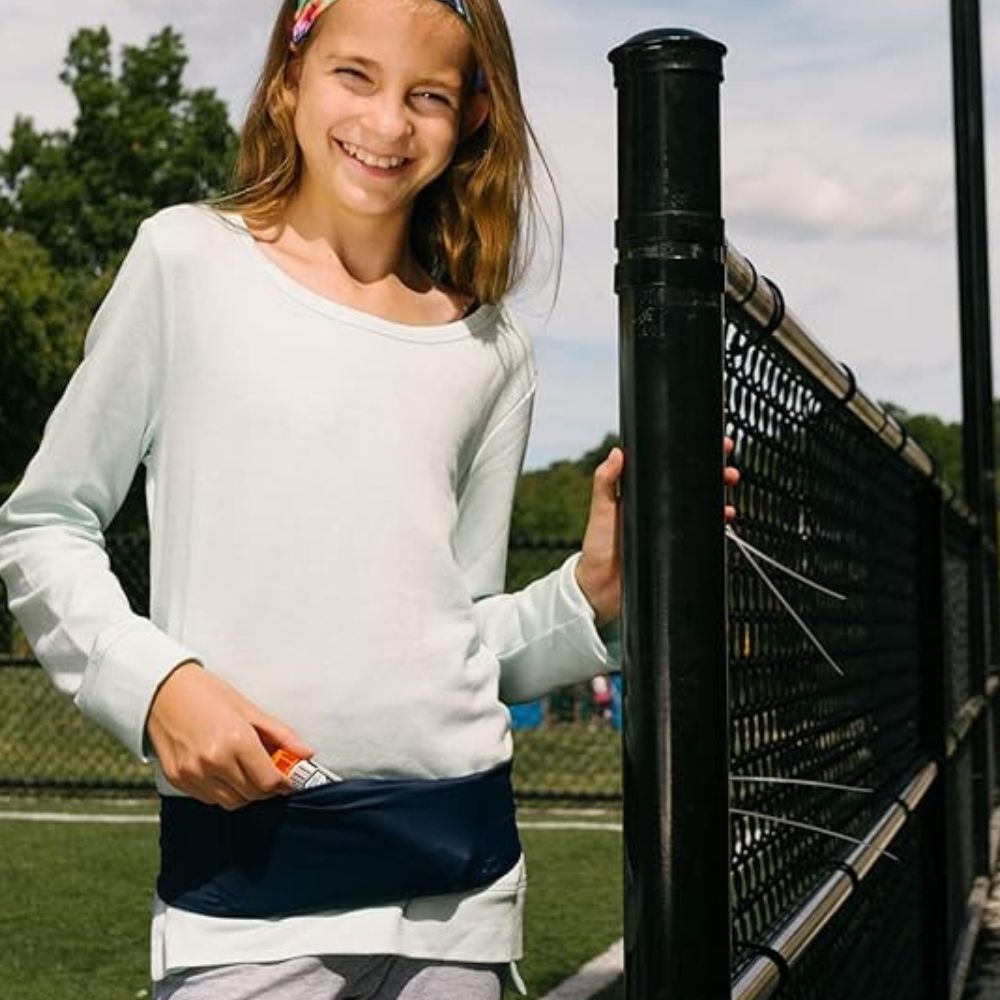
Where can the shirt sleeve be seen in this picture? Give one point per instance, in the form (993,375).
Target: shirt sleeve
(53,562)
(545,635)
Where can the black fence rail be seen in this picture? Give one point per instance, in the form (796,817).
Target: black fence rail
(845,724)
(568,745)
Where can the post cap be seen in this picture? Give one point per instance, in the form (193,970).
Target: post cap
(671,48)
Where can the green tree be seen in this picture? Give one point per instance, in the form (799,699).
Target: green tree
(551,505)
(42,311)
(941,440)
(140,141)
(70,203)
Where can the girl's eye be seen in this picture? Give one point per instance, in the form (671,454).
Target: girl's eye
(430,95)
(352,72)
(435,98)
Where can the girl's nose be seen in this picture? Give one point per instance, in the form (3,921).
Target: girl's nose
(389,119)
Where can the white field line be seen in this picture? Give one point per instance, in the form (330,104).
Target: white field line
(541,811)
(53,817)
(568,825)
(593,977)
(97,801)
(56,817)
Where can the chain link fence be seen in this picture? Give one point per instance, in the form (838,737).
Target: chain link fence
(856,707)
(566,745)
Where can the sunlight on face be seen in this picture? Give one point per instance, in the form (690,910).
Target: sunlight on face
(379,101)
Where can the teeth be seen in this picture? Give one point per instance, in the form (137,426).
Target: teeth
(369,159)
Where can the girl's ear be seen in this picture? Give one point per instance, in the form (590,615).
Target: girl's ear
(474,113)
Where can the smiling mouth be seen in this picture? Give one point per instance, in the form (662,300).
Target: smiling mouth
(379,164)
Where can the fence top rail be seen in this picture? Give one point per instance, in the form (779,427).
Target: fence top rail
(761,299)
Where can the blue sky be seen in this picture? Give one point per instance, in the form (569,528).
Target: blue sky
(838,167)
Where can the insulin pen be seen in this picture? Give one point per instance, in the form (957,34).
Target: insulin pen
(302,773)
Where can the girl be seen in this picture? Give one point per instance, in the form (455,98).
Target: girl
(332,404)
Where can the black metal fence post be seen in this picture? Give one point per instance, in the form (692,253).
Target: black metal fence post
(977,380)
(670,279)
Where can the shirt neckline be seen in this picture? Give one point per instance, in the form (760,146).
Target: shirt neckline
(459,329)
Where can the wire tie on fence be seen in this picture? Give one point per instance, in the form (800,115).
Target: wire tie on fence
(847,869)
(885,423)
(902,803)
(904,441)
(778,316)
(766,951)
(753,287)
(852,386)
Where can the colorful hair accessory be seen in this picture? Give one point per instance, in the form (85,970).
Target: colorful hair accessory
(307,11)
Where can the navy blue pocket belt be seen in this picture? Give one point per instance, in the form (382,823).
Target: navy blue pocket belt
(355,843)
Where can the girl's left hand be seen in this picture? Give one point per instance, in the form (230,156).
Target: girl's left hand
(599,569)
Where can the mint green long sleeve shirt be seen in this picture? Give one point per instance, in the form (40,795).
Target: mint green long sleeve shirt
(329,499)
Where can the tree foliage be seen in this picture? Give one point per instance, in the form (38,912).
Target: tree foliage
(140,141)
(941,440)
(41,313)
(70,203)
(552,504)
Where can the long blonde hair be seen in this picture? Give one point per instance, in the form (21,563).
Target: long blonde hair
(475,227)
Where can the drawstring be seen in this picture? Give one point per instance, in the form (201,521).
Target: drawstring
(515,978)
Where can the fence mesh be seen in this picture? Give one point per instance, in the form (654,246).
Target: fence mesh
(827,498)
(823,496)
(957,567)
(871,949)
(567,745)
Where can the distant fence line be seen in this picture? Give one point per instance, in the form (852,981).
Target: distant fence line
(567,744)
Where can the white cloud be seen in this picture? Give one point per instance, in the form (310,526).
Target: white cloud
(805,199)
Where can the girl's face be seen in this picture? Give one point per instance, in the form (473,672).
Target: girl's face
(379,108)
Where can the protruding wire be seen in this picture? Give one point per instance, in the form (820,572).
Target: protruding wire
(784,569)
(814,829)
(741,545)
(801,781)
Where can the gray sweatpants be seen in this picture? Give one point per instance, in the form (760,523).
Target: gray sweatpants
(338,977)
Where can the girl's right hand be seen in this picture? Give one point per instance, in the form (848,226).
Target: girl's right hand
(213,743)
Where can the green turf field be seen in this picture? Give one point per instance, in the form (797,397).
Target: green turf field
(74,905)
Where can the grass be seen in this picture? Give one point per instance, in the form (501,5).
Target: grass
(574,908)
(74,911)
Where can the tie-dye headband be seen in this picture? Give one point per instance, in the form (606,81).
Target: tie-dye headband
(307,11)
